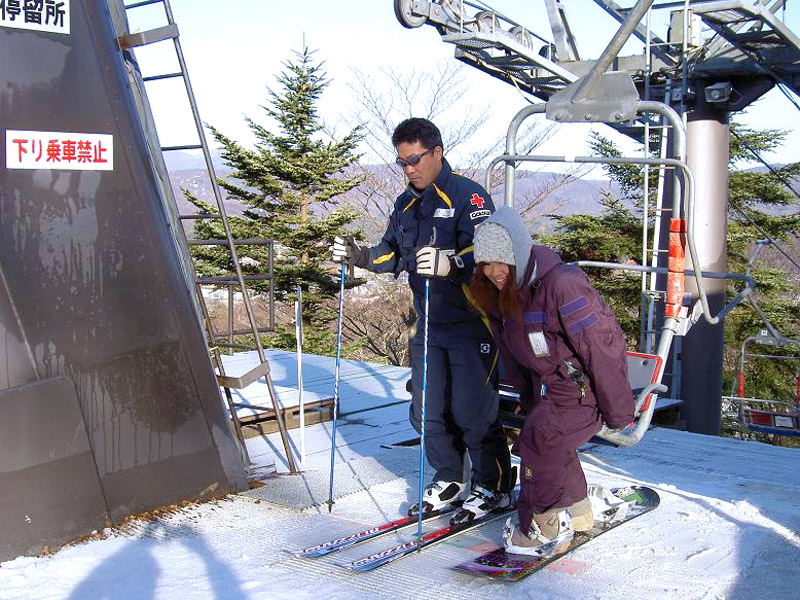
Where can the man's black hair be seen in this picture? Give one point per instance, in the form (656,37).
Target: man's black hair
(419,130)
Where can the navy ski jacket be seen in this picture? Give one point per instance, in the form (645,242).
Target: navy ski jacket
(444,215)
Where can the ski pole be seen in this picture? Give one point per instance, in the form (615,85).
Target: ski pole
(422,405)
(336,387)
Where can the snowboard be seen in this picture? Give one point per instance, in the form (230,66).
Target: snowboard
(500,565)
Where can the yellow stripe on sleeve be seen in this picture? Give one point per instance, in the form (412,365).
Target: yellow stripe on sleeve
(383,259)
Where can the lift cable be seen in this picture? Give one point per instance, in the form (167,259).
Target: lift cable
(766,235)
(755,153)
(782,180)
(786,92)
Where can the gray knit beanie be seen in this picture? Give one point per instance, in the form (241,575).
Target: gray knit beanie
(492,243)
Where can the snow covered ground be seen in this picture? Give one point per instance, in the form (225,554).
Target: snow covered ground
(727,527)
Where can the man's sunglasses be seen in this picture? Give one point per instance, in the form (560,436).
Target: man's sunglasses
(413,160)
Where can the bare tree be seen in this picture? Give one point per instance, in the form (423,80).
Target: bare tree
(379,320)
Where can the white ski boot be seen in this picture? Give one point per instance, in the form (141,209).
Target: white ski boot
(440,495)
(606,507)
(480,503)
(550,534)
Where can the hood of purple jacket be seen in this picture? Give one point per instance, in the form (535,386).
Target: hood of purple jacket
(541,261)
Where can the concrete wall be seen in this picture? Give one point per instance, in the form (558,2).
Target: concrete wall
(94,299)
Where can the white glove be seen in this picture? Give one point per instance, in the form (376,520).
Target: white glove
(433,262)
(345,250)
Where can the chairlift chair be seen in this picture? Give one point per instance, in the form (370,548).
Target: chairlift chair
(610,98)
(761,415)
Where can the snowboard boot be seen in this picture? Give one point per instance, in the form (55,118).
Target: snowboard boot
(606,507)
(480,503)
(440,495)
(550,534)
(581,515)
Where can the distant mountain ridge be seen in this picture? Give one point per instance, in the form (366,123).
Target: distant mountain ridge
(579,196)
(187,171)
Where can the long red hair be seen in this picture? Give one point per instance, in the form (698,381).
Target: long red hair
(490,300)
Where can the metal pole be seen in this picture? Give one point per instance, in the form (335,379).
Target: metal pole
(336,386)
(511,149)
(703,346)
(657,255)
(231,327)
(422,406)
(643,298)
(585,85)
(301,400)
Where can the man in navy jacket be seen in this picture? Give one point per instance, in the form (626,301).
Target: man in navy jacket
(430,235)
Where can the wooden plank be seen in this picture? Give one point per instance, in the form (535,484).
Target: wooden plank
(265,423)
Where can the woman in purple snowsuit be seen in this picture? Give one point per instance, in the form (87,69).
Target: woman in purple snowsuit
(564,352)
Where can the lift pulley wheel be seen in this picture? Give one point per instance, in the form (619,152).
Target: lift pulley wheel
(523,36)
(487,22)
(402,10)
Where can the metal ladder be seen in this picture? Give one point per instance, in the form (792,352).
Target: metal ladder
(128,41)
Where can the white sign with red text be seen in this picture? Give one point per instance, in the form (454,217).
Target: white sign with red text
(35,15)
(62,151)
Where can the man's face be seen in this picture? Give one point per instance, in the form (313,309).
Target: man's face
(427,169)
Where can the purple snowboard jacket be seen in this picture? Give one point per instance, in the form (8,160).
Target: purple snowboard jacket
(581,363)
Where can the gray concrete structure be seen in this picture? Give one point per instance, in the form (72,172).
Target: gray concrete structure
(106,387)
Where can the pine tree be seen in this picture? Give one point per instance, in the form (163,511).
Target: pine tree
(751,192)
(612,236)
(615,235)
(288,184)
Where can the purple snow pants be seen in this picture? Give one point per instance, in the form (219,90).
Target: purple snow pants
(551,475)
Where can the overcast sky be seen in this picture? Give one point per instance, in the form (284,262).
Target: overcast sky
(234,50)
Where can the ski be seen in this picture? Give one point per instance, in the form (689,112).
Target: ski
(432,537)
(356,538)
